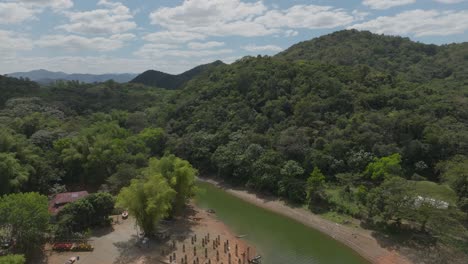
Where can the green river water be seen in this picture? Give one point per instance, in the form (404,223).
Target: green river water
(278,239)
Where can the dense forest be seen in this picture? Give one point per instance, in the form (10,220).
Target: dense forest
(369,126)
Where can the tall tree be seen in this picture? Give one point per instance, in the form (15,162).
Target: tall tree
(27,216)
(180,175)
(13,174)
(384,167)
(148,199)
(315,185)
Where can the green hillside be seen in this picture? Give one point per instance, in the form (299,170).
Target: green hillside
(351,124)
(170,81)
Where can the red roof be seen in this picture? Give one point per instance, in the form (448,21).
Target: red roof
(61,199)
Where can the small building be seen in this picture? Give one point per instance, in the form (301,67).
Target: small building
(61,199)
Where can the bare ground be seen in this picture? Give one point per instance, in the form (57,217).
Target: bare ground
(119,243)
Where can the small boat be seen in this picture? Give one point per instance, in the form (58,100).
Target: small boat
(256,260)
(211,211)
(124,215)
(241,236)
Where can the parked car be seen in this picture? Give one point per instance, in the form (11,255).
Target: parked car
(72,260)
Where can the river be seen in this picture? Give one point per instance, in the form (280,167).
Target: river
(278,239)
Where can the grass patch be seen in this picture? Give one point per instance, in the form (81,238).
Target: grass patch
(340,203)
(339,218)
(436,191)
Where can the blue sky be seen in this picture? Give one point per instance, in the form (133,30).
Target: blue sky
(104,36)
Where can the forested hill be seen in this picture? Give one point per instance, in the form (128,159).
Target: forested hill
(170,81)
(393,54)
(363,139)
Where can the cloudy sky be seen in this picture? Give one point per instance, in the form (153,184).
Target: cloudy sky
(103,36)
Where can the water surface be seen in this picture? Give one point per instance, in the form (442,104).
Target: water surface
(278,239)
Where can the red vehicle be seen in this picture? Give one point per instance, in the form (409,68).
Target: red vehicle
(62,246)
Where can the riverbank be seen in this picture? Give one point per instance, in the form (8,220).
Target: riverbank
(360,240)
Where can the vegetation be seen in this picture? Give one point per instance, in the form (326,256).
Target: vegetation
(12,259)
(170,81)
(93,210)
(148,199)
(360,124)
(161,191)
(26,218)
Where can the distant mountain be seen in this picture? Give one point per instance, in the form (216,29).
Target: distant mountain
(170,81)
(46,77)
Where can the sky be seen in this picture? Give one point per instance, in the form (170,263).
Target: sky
(131,36)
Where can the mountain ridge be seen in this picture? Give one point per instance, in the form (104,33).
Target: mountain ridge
(173,81)
(46,77)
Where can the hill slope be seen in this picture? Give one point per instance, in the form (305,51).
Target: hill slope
(170,81)
(47,77)
(415,61)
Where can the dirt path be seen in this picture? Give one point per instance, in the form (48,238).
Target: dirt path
(358,239)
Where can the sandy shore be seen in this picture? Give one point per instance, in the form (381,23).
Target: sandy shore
(119,244)
(199,237)
(358,239)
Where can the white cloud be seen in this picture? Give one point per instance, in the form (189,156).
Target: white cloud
(216,17)
(11,42)
(115,18)
(306,16)
(385,4)
(54,4)
(17,11)
(202,13)
(449,1)
(79,43)
(419,23)
(248,19)
(173,36)
(266,48)
(290,33)
(156,51)
(12,13)
(205,45)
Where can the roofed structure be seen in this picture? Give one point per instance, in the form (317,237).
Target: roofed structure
(61,199)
